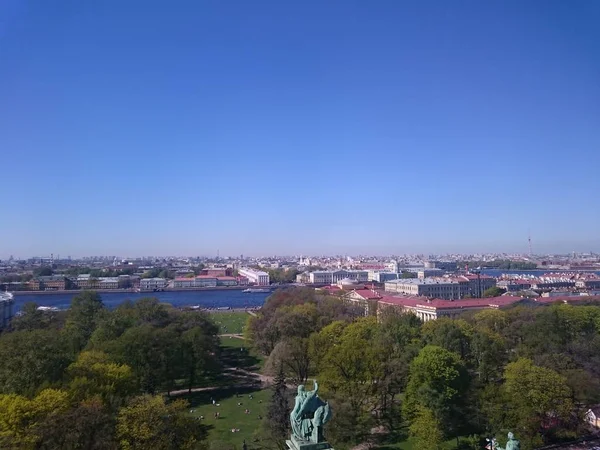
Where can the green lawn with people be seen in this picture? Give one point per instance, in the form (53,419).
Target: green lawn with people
(240,412)
(230,322)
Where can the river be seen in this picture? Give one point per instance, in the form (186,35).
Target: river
(205,299)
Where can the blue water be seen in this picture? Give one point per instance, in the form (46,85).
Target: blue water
(205,299)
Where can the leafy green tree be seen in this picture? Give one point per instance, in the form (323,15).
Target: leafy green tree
(150,310)
(20,417)
(94,374)
(88,425)
(533,400)
(488,354)
(406,275)
(493,319)
(399,336)
(111,326)
(84,315)
(425,430)
(142,349)
(151,423)
(351,370)
(453,335)
(31,360)
(438,382)
(493,292)
(199,350)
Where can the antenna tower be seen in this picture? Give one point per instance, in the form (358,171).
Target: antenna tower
(529,239)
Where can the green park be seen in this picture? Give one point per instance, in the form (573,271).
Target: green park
(306,371)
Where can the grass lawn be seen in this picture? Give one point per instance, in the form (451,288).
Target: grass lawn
(232,415)
(230,321)
(410,445)
(233,356)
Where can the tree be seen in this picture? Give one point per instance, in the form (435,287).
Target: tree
(88,425)
(426,431)
(20,417)
(352,371)
(277,425)
(533,399)
(488,354)
(84,315)
(150,423)
(494,291)
(293,356)
(406,275)
(31,318)
(94,374)
(150,310)
(143,350)
(453,335)
(438,382)
(44,271)
(199,350)
(31,360)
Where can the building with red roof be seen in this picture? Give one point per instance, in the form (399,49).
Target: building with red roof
(365,298)
(430,309)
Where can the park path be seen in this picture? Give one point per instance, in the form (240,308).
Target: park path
(257,377)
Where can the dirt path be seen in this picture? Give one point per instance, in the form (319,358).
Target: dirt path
(233,335)
(258,378)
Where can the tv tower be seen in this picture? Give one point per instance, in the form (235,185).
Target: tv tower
(529,239)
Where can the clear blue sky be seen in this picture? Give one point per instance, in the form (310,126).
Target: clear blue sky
(259,127)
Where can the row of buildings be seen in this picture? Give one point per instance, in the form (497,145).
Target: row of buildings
(375,275)
(426,309)
(447,288)
(83,281)
(210,277)
(551,281)
(205,281)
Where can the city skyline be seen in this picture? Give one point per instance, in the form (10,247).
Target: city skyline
(299,128)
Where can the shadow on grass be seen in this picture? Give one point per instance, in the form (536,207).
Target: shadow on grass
(218,395)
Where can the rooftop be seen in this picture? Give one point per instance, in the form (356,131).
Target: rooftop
(420,301)
(419,281)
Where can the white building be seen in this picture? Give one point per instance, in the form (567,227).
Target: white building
(150,284)
(333,276)
(257,277)
(427,287)
(382,276)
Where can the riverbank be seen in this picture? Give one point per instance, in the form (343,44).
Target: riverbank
(132,291)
